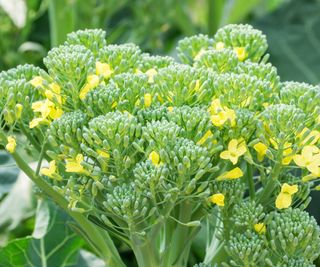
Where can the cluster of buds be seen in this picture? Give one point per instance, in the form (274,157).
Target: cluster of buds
(148,148)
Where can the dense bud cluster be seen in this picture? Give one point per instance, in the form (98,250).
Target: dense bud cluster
(150,149)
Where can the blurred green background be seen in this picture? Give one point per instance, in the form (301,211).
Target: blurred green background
(29,28)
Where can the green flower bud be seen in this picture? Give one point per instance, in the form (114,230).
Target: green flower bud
(148,62)
(190,47)
(247,249)
(121,58)
(92,39)
(220,61)
(294,233)
(243,36)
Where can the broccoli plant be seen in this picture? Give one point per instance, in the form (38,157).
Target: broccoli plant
(147,150)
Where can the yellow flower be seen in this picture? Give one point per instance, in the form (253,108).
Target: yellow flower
(103,153)
(37,81)
(74,165)
(219,46)
(155,158)
(310,177)
(35,122)
(241,53)
(207,135)
(260,228)
(217,199)
(230,175)
(309,158)
(313,135)
(47,109)
(92,82)
(261,150)
(11,145)
(287,151)
(170,109)
(221,114)
(54,92)
(284,199)
(147,100)
(49,171)
(151,73)
(103,69)
(317,188)
(236,149)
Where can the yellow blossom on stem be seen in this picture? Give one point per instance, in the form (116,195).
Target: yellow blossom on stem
(37,121)
(74,165)
(236,148)
(309,158)
(103,69)
(49,171)
(147,100)
(207,135)
(154,157)
(261,150)
(221,114)
(284,199)
(151,73)
(218,199)
(313,136)
(260,228)
(11,145)
(92,82)
(37,81)
(230,175)
(241,53)
(170,109)
(103,154)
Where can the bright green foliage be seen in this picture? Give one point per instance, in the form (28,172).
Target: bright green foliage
(150,149)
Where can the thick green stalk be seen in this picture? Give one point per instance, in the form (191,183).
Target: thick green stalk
(252,191)
(178,244)
(99,238)
(145,253)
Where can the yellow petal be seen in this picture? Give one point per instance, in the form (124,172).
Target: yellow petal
(261,150)
(151,73)
(155,158)
(233,174)
(103,69)
(147,100)
(289,189)
(225,154)
(241,53)
(299,160)
(11,145)
(207,135)
(233,145)
(260,228)
(283,201)
(49,171)
(103,153)
(37,81)
(35,122)
(218,199)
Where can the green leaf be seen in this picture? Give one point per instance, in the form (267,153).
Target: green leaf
(42,220)
(8,173)
(293,33)
(58,247)
(20,200)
